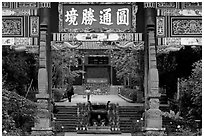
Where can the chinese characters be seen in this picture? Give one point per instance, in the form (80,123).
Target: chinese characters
(122,16)
(71,17)
(104,16)
(88,17)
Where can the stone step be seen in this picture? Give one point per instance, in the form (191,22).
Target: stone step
(66,127)
(65,116)
(66,108)
(69,129)
(131,113)
(66,121)
(127,114)
(65,113)
(125,129)
(131,109)
(126,118)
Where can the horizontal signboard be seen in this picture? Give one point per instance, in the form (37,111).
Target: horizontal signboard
(94,16)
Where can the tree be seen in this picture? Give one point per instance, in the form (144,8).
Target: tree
(18,69)
(129,63)
(191,94)
(174,65)
(62,62)
(18,114)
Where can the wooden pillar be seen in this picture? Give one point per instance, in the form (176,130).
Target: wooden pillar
(111,71)
(83,68)
(43,125)
(153,118)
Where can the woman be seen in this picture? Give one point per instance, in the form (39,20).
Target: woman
(70,92)
(88,92)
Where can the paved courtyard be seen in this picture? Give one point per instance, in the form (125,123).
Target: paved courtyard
(98,99)
(75,134)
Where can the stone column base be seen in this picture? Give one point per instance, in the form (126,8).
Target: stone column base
(153,131)
(42,131)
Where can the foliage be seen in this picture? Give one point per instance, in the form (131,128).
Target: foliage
(172,115)
(166,62)
(62,61)
(189,106)
(129,93)
(128,62)
(185,132)
(180,127)
(191,94)
(18,69)
(175,65)
(58,94)
(18,114)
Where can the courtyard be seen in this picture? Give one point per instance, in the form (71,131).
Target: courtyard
(97,99)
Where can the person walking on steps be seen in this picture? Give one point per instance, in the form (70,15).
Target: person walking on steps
(88,92)
(70,92)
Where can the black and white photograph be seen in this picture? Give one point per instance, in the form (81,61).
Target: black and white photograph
(101,68)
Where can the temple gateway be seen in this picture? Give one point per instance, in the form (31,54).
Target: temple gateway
(95,30)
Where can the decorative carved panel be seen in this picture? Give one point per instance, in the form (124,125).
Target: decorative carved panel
(27,4)
(19,12)
(23,41)
(65,37)
(172,41)
(149,4)
(34,26)
(19,41)
(191,41)
(166,5)
(6,4)
(12,26)
(179,12)
(24,5)
(179,41)
(134,18)
(191,5)
(186,26)
(160,26)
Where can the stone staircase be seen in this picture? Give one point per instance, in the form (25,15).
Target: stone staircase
(127,115)
(66,118)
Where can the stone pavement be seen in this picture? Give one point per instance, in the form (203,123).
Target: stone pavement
(105,135)
(98,99)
